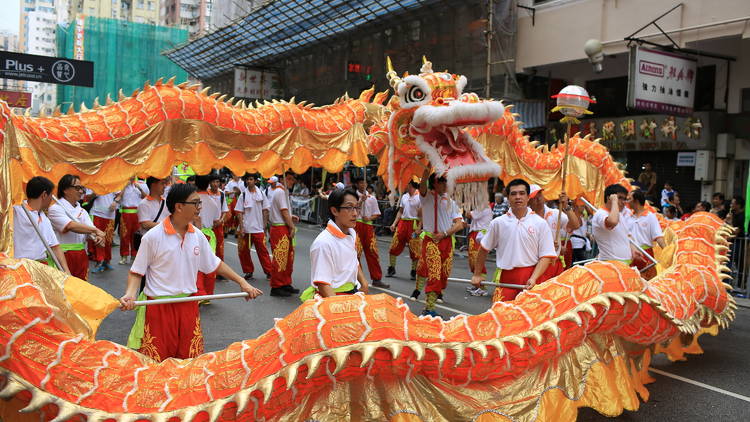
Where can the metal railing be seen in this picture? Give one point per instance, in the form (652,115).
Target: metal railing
(739,264)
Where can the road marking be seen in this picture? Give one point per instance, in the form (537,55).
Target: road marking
(455,311)
(700,384)
(232,243)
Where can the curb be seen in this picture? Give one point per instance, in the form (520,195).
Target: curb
(742,302)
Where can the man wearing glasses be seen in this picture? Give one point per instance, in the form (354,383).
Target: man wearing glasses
(72,225)
(170,257)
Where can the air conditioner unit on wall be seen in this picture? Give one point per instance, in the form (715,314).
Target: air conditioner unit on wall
(725,145)
(705,165)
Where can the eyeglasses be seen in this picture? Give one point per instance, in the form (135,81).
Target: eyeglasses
(197,204)
(350,209)
(79,188)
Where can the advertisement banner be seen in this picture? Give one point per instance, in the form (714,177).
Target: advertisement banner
(661,82)
(56,70)
(78,43)
(16,98)
(257,84)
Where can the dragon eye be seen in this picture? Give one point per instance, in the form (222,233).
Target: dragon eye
(414,94)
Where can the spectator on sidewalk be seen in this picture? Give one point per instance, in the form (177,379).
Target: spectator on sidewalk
(667,195)
(647,179)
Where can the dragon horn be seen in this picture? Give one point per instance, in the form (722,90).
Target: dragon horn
(391,74)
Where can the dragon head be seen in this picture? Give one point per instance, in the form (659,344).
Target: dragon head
(427,123)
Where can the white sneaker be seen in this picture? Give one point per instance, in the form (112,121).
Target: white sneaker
(123,260)
(479,292)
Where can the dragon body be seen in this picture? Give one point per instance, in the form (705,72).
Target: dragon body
(582,339)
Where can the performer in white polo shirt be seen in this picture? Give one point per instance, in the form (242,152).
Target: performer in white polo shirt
(281,235)
(568,220)
(523,244)
(253,207)
(368,212)
(132,194)
(611,226)
(440,221)
(26,240)
(170,257)
(152,210)
(334,268)
(72,225)
(405,230)
(103,210)
(645,231)
(480,222)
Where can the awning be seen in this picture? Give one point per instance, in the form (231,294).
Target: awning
(279,28)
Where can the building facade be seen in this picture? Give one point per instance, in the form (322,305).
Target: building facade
(701,151)
(193,15)
(37,31)
(140,11)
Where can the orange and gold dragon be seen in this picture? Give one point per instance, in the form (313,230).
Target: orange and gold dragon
(583,339)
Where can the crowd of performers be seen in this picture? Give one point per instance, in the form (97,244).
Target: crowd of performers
(172,231)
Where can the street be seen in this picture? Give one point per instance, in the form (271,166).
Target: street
(714,385)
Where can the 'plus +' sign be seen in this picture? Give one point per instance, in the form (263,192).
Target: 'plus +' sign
(40,69)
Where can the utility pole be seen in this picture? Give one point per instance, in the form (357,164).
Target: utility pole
(488,37)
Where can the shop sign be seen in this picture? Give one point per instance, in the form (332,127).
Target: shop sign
(79,32)
(653,132)
(56,70)
(256,84)
(661,82)
(686,159)
(16,98)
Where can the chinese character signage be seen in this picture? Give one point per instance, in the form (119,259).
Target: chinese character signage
(654,132)
(16,98)
(79,29)
(661,82)
(258,84)
(56,70)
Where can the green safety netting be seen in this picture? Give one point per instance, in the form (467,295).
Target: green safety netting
(125,55)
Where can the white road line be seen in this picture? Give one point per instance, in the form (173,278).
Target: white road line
(232,243)
(700,384)
(455,311)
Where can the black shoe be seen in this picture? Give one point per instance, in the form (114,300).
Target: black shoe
(440,298)
(220,278)
(268,276)
(248,276)
(378,283)
(391,272)
(289,288)
(413,274)
(414,295)
(280,291)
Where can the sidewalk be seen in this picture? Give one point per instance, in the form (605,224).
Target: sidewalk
(742,302)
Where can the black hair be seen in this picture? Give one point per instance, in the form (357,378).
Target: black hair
(213,176)
(65,183)
(668,182)
(639,197)
(150,180)
(517,182)
(718,195)
(179,193)
(614,190)
(202,182)
(290,173)
(671,208)
(190,179)
(357,180)
(739,200)
(246,176)
(336,199)
(434,179)
(414,184)
(37,186)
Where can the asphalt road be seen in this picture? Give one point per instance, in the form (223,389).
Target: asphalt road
(708,393)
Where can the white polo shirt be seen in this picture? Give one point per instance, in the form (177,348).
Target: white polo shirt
(645,229)
(369,207)
(447,212)
(212,207)
(519,243)
(279,201)
(333,257)
(148,209)
(26,243)
(410,205)
(101,205)
(613,243)
(251,205)
(131,196)
(170,262)
(60,214)
(480,219)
